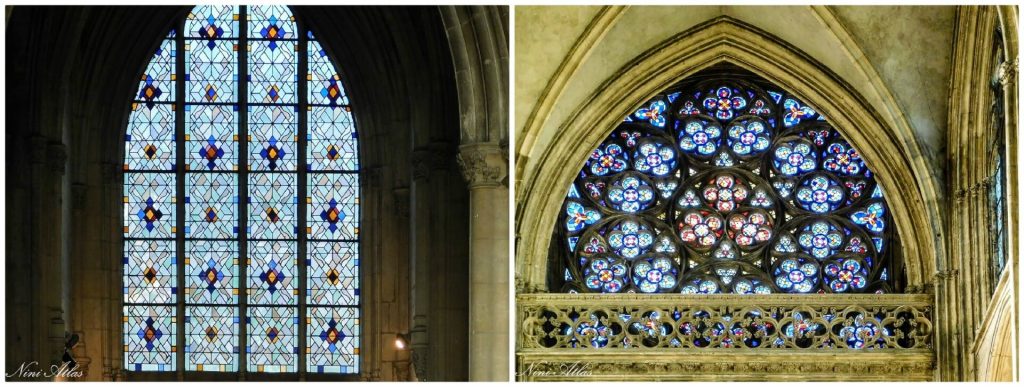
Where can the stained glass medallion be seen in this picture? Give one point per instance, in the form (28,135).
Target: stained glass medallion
(726,183)
(212,245)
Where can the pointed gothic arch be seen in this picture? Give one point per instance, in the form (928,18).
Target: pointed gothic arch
(887,147)
(551,326)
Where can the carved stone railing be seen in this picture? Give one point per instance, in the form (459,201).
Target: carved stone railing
(724,337)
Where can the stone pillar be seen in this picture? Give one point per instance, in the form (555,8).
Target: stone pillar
(420,198)
(484,166)
(48,166)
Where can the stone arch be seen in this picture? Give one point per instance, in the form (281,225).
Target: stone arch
(887,145)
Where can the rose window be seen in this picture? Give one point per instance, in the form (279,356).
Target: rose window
(726,184)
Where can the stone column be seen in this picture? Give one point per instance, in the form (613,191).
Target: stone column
(420,198)
(484,166)
(48,166)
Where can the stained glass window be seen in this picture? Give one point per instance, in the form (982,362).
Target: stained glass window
(997,152)
(725,183)
(241,202)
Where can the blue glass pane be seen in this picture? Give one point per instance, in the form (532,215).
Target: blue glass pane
(272,273)
(149,337)
(325,87)
(272,72)
(333,141)
(149,205)
(273,204)
(211,137)
(211,205)
(212,22)
(271,22)
(333,273)
(333,206)
(149,141)
(211,272)
(211,71)
(273,339)
(273,134)
(150,273)
(211,340)
(157,83)
(334,340)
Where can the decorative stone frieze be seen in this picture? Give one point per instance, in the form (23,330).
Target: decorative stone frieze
(739,322)
(724,337)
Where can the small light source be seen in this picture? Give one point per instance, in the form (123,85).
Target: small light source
(401,341)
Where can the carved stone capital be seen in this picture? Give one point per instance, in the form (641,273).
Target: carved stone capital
(482,164)
(430,158)
(1007,72)
(57,157)
(78,195)
(372,176)
(401,197)
(111,173)
(947,274)
(419,346)
(38,147)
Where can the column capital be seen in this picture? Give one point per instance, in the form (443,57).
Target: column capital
(482,164)
(432,157)
(57,157)
(401,197)
(1007,72)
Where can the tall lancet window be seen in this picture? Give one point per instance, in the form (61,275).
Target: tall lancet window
(725,183)
(241,202)
(997,154)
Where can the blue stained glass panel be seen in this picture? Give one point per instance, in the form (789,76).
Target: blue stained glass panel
(273,204)
(211,272)
(272,72)
(333,141)
(273,339)
(149,337)
(149,205)
(211,338)
(271,22)
(333,273)
(334,340)
(149,141)
(211,137)
(212,22)
(211,72)
(333,206)
(211,205)
(272,271)
(272,137)
(150,274)
(325,86)
(157,83)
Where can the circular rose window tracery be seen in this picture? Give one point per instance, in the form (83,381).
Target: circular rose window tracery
(726,184)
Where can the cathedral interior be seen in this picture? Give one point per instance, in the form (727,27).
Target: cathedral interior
(155,232)
(726,159)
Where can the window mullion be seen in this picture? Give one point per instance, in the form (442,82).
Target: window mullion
(303,287)
(179,208)
(243,190)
